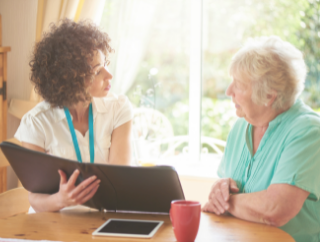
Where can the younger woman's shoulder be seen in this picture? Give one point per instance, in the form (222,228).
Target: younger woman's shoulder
(43,112)
(38,109)
(118,106)
(114,100)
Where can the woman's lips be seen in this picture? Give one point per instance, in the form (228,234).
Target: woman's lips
(107,88)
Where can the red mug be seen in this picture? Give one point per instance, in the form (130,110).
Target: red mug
(185,218)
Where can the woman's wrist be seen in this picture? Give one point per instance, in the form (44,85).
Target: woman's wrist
(58,201)
(45,202)
(231,202)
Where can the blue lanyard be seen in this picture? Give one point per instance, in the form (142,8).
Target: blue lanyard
(74,137)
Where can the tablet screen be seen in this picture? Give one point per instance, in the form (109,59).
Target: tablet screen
(129,228)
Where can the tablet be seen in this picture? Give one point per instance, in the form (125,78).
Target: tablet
(128,228)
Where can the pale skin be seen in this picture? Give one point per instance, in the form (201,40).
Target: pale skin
(276,205)
(119,153)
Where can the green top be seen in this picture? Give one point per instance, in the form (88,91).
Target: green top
(289,152)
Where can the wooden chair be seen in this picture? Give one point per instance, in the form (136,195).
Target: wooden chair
(14,202)
(17,108)
(3,166)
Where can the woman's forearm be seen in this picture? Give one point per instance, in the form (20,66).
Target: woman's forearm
(275,206)
(45,202)
(252,207)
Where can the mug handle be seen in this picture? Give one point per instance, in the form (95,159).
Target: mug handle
(171,217)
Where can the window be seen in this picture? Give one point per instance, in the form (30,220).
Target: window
(171,59)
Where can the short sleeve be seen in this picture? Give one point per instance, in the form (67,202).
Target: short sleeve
(31,131)
(123,111)
(299,164)
(222,169)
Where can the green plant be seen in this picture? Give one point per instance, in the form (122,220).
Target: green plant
(218,116)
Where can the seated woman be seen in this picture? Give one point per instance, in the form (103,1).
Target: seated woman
(270,170)
(79,118)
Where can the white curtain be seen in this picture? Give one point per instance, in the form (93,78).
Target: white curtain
(77,10)
(92,9)
(126,21)
(69,9)
(128,24)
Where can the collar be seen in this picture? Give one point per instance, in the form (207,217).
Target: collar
(283,116)
(272,125)
(98,106)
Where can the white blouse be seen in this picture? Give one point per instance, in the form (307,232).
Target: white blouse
(48,128)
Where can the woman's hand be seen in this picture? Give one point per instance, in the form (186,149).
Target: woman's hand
(69,194)
(219,196)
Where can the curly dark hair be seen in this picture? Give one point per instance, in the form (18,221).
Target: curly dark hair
(60,67)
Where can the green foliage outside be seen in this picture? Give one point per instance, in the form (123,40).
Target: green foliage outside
(310,34)
(163,89)
(217,117)
(295,21)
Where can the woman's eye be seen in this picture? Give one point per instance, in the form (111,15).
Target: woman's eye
(98,73)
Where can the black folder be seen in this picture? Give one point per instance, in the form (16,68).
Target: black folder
(122,188)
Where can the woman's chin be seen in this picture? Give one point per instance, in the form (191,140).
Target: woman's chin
(104,94)
(239,113)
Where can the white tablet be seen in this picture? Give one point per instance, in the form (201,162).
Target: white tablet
(128,228)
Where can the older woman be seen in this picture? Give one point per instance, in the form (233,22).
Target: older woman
(270,170)
(79,118)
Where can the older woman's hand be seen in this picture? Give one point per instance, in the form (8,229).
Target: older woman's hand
(219,196)
(69,194)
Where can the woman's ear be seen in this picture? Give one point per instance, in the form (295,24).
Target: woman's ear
(271,98)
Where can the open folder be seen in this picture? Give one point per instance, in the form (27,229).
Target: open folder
(122,188)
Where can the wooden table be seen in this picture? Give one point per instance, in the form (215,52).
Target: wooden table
(78,225)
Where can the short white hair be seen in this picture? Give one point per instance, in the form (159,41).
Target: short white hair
(272,65)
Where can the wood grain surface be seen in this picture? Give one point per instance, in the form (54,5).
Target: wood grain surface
(13,202)
(78,225)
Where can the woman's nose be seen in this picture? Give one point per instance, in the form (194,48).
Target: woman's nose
(108,74)
(229,90)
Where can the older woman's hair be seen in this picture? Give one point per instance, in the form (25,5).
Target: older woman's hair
(60,68)
(272,65)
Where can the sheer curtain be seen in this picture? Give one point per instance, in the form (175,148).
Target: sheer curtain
(128,24)
(53,10)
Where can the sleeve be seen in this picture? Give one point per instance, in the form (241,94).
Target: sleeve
(31,131)
(222,169)
(123,111)
(299,164)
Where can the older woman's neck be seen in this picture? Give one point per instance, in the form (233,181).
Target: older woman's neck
(79,111)
(263,121)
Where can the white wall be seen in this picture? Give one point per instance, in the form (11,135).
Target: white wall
(196,188)
(18,32)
